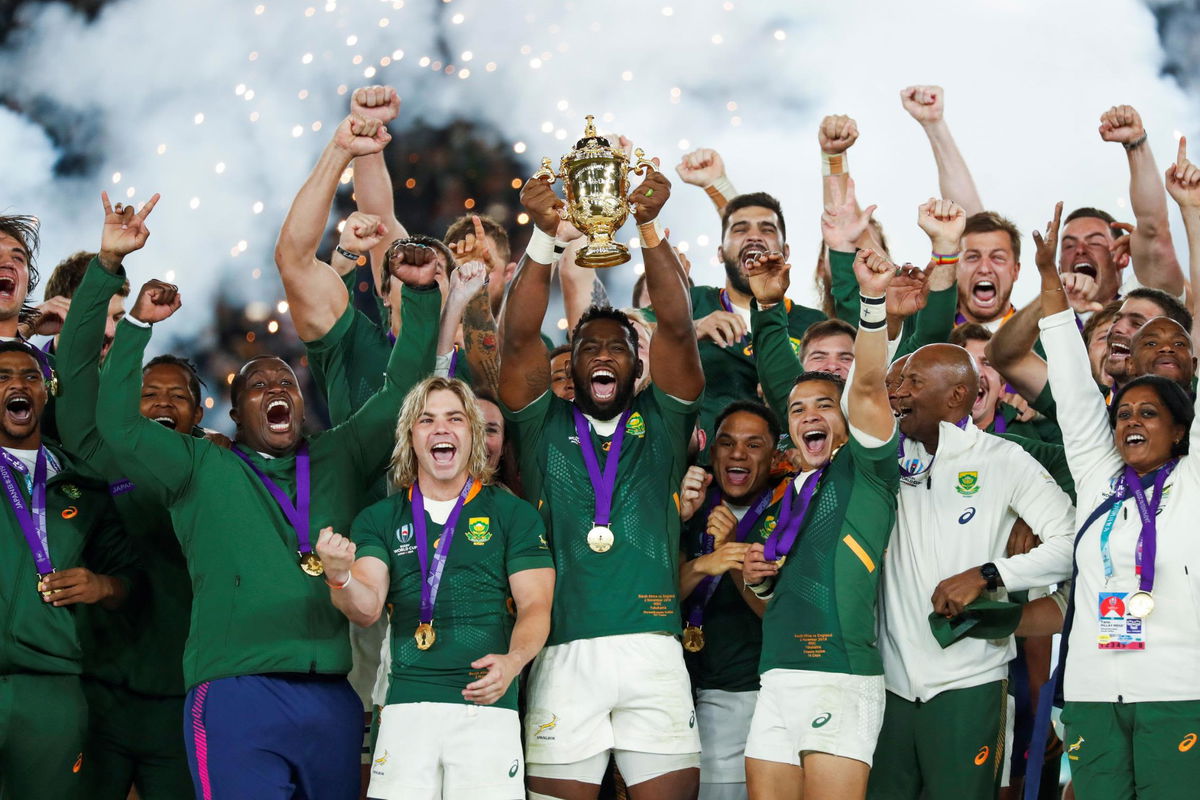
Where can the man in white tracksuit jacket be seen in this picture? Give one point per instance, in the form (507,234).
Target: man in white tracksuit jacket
(961,491)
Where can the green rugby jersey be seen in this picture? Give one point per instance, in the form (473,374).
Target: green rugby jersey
(140,646)
(822,614)
(496,536)
(732,631)
(254,611)
(634,587)
(729,372)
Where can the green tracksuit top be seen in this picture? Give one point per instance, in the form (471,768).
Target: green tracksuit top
(82,530)
(254,611)
(139,647)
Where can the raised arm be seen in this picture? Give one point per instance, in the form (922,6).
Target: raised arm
(151,453)
(1151,250)
(581,286)
(836,134)
(467,304)
(774,357)
(358,586)
(524,361)
(705,168)
(926,104)
(867,399)
(1183,182)
(843,229)
(928,301)
(372,184)
(82,338)
(674,354)
(315,292)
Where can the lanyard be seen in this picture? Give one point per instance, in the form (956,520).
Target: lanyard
(604,483)
(1147,545)
(431,579)
(297,513)
(31,516)
(708,585)
(793,508)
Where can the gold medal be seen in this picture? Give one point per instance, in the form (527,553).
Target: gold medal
(45,594)
(425,636)
(1140,604)
(600,539)
(693,639)
(779,561)
(311,564)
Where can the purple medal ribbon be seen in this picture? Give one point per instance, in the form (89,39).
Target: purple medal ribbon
(603,483)
(998,424)
(391,337)
(905,471)
(32,517)
(1147,546)
(727,305)
(793,508)
(431,579)
(708,585)
(453,363)
(296,513)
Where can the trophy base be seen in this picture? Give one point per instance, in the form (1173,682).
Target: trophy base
(596,255)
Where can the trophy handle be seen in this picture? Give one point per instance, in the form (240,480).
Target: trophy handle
(545,171)
(642,165)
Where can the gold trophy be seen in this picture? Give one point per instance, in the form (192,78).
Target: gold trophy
(596,177)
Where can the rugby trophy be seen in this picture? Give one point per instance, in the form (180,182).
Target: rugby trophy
(596,177)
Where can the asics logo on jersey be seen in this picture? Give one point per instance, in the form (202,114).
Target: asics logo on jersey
(982,756)
(692,720)
(822,719)
(545,726)
(967,516)
(1188,742)
(512,771)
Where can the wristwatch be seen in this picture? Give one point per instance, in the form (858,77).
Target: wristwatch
(991,575)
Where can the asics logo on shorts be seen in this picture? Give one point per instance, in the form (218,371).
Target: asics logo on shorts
(822,719)
(692,720)
(1188,742)
(982,756)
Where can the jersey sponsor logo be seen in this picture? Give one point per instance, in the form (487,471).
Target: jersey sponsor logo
(512,771)
(69,512)
(967,515)
(635,426)
(546,726)
(982,756)
(479,530)
(968,483)
(72,491)
(819,721)
(1074,748)
(1188,743)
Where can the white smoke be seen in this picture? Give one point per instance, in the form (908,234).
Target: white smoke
(215,105)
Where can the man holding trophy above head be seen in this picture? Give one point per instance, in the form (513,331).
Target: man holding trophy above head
(604,472)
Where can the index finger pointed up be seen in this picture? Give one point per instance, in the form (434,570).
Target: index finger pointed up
(1181,157)
(107,204)
(478,223)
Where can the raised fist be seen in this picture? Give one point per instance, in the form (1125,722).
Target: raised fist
(943,222)
(925,104)
(874,273)
(361,136)
(337,555)
(692,491)
(544,206)
(700,167)
(649,197)
(375,102)
(156,301)
(468,279)
(361,233)
(837,133)
(413,264)
(124,230)
(1121,124)
(48,320)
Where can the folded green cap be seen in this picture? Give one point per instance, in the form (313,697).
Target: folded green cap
(982,619)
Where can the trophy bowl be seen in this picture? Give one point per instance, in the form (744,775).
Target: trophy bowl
(596,178)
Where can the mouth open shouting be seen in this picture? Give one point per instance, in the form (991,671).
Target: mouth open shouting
(279,415)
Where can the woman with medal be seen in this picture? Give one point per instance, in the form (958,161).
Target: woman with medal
(269,712)
(446,553)
(722,623)
(821,703)
(1131,636)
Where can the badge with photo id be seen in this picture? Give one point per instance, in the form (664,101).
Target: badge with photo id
(1119,629)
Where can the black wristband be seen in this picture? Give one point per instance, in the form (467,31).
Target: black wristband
(344,253)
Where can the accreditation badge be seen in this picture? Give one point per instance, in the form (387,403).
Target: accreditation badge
(1119,628)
